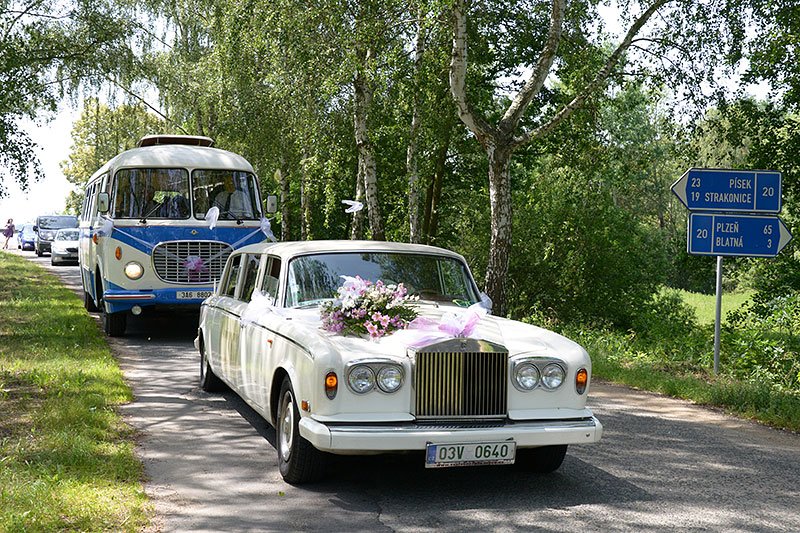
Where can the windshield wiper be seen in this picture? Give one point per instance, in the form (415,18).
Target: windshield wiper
(145,217)
(239,221)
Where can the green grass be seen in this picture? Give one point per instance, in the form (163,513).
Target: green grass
(682,367)
(67,459)
(705,305)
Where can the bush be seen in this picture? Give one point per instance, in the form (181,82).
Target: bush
(579,257)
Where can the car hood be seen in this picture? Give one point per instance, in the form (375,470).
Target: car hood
(305,328)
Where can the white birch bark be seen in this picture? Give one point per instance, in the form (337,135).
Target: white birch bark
(366,157)
(499,141)
(411,153)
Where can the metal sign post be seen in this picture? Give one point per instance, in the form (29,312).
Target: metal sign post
(718,315)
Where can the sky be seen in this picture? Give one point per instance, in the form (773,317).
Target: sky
(48,195)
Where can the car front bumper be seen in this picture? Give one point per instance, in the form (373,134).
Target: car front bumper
(63,255)
(362,438)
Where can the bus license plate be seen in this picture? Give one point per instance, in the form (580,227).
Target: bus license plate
(470,453)
(193,295)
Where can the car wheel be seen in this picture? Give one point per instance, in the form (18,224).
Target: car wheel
(209,381)
(39,252)
(541,460)
(53,261)
(298,460)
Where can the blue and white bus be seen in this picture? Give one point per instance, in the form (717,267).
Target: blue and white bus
(158,223)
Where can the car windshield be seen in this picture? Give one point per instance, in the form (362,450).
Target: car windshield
(315,278)
(67,235)
(233,192)
(151,193)
(56,222)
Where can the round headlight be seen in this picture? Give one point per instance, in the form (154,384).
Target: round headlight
(361,379)
(553,376)
(390,378)
(134,270)
(526,376)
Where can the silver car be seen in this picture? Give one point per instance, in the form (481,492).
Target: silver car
(64,247)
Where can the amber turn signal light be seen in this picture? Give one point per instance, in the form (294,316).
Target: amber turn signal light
(118,253)
(581,380)
(95,238)
(331,385)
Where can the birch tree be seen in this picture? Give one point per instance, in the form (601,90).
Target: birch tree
(500,138)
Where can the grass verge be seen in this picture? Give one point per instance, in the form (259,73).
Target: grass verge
(67,459)
(705,305)
(682,370)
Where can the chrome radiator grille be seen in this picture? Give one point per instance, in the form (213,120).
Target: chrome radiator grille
(199,262)
(454,384)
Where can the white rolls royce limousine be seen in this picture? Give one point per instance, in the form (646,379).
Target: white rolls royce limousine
(354,347)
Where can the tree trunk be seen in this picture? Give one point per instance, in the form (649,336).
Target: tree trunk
(305,208)
(501,209)
(431,223)
(366,157)
(283,181)
(357,228)
(411,153)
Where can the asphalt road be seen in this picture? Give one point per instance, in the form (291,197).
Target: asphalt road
(663,464)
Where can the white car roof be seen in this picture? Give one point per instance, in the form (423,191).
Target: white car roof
(290,249)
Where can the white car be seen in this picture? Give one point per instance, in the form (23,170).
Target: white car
(351,347)
(64,247)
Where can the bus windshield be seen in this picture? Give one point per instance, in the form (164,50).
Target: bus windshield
(233,192)
(151,193)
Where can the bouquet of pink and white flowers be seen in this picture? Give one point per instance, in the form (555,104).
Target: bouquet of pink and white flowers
(366,308)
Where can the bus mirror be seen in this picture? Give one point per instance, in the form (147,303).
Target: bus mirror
(102,202)
(271,204)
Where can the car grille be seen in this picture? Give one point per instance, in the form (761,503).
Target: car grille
(198,262)
(455,384)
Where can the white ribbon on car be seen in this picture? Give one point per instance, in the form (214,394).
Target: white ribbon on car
(212,215)
(423,331)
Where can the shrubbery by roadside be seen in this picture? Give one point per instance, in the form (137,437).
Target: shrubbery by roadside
(667,351)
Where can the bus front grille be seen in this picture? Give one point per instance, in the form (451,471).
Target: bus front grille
(192,262)
(457,385)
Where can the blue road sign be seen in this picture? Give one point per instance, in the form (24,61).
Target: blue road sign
(736,235)
(716,190)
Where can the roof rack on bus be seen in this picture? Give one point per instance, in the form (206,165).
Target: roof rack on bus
(191,140)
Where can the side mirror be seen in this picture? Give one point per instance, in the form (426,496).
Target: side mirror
(271,204)
(102,202)
(36,229)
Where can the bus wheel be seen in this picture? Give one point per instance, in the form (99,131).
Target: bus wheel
(88,303)
(114,323)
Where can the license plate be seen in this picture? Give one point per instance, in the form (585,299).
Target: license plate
(193,295)
(470,453)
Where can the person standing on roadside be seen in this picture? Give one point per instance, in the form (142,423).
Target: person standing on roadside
(8,232)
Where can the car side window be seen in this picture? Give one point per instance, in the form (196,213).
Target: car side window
(229,288)
(271,276)
(250,275)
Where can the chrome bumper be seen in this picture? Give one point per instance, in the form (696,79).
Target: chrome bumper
(362,438)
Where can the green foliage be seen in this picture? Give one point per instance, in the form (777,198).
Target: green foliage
(101,133)
(47,48)
(68,460)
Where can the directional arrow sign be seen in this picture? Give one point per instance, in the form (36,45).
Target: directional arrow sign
(737,235)
(752,191)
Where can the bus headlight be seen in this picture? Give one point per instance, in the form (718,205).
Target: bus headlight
(134,270)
